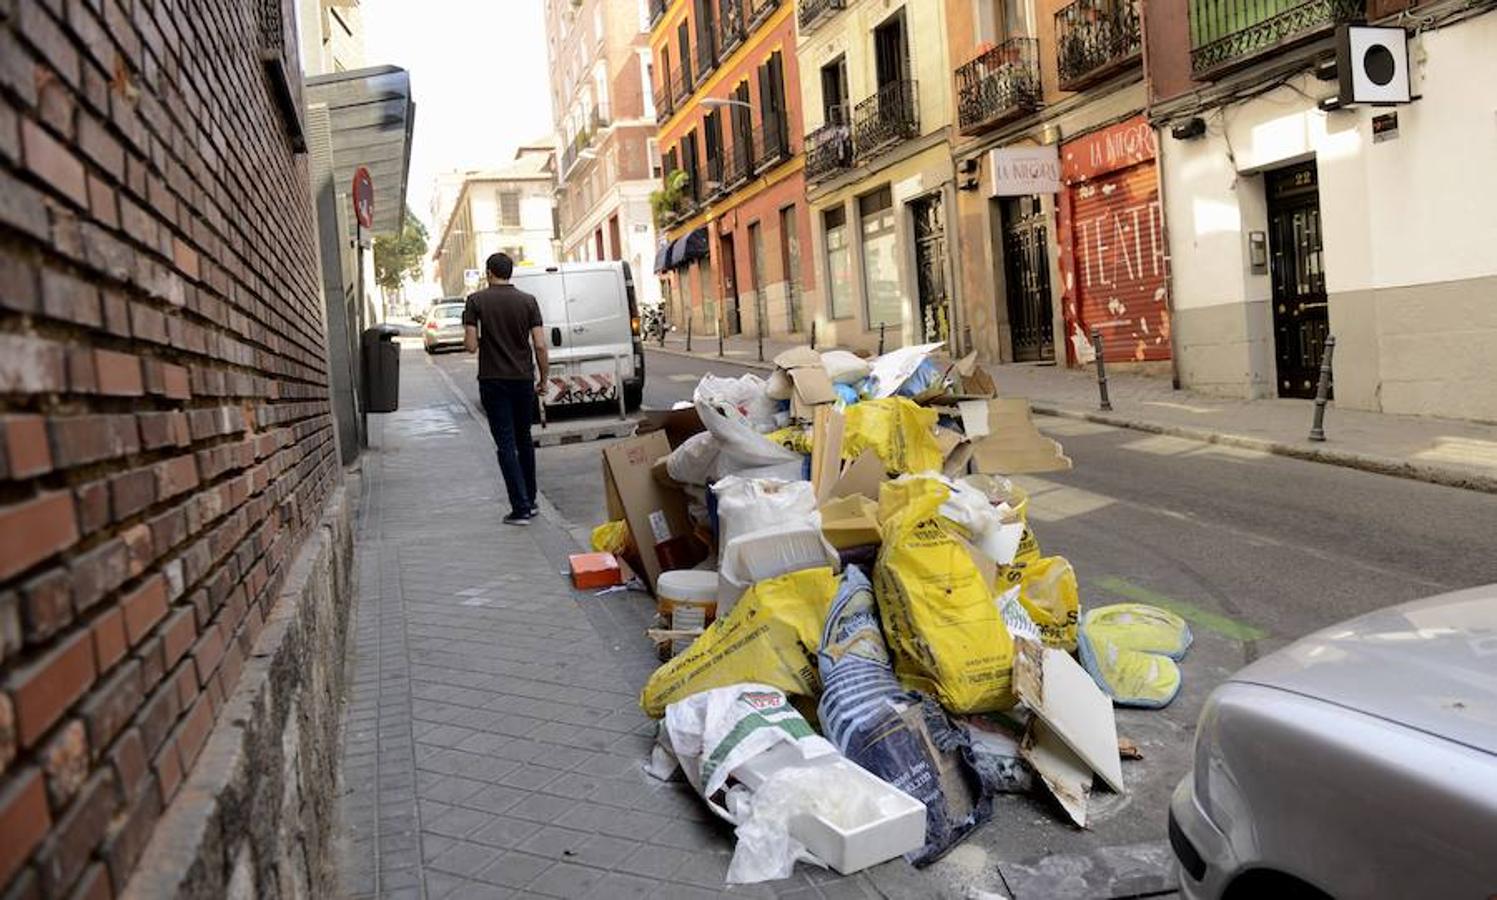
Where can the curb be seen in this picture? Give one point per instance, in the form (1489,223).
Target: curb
(1379,465)
(1364,462)
(703,357)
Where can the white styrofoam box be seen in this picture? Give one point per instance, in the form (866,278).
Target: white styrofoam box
(767,553)
(852,849)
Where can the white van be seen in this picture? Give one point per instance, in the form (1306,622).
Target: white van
(592,324)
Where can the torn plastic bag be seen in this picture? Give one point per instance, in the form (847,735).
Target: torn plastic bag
(927,375)
(1130,650)
(770,636)
(695,460)
(898,735)
(888,372)
(897,429)
(753,504)
(1049,593)
(737,413)
(612,537)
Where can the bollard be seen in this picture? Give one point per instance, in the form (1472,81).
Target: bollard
(720,330)
(813,334)
(1106,404)
(662,329)
(1323,390)
(688,334)
(760,336)
(881,338)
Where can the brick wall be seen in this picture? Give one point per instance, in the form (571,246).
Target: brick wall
(165,437)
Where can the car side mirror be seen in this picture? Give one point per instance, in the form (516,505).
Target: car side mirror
(555,336)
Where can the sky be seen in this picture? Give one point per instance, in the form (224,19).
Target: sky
(478,76)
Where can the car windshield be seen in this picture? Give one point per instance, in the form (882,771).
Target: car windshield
(452,311)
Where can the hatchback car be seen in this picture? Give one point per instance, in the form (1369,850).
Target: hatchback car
(444,326)
(1360,761)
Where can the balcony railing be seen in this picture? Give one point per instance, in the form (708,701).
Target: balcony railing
(664,104)
(771,144)
(1225,34)
(730,31)
(1001,83)
(1095,39)
(889,116)
(680,87)
(829,148)
(738,164)
(814,12)
(758,11)
(706,52)
(657,9)
(714,185)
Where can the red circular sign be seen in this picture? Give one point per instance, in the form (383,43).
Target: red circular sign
(363,197)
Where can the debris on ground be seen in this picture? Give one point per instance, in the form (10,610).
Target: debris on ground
(863,643)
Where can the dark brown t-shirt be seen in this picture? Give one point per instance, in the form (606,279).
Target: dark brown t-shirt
(504,315)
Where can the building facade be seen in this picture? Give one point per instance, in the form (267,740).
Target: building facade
(331,34)
(876,88)
(607,161)
(510,210)
(727,97)
(1290,221)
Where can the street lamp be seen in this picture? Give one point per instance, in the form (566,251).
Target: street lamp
(716,102)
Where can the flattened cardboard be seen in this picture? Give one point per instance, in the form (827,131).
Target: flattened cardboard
(850,521)
(1070,703)
(653,511)
(948,439)
(812,386)
(862,476)
(826,450)
(1014,446)
(678,424)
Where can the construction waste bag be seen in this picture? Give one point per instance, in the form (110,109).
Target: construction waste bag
(898,430)
(944,628)
(1049,594)
(1130,650)
(891,732)
(770,637)
(1011,574)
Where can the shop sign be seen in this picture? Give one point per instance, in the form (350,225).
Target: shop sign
(1116,147)
(1022,171)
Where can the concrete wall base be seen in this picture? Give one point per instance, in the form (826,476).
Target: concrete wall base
(256,816)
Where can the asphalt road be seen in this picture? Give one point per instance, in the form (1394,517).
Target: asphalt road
(1254,550)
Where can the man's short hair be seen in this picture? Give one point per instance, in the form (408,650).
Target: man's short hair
(501,266)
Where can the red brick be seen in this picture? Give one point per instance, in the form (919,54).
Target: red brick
(92,502)
(163,429)
(77,440)
(127,838)
(26,450)
(233,664)
(152,664)
(7,733)
(208,653)
(175,383)
(143,608)
(132,492)
(176,475)
(108,632)
(168,529)
(185,257)
(193,733)
(53,163)
(101,146)
(98,572)
(186,680)
(20,286)
(168,768)
(128,760)
(176,637)
(31,365)
(24,820)
(147,323)
(103,203)
(138,547)
(65,761)
(47,605)
(82,379)
(110,707)
(68,850)
(119,373)
(93,884)
(46,35)
(36,529)
(158,715)
(116,313)
(68,297)
(44,690)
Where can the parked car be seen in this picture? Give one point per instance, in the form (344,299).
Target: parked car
(592,321)
(444,325)
(1360,761)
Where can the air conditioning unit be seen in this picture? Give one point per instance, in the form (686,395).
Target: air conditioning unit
(1372,65)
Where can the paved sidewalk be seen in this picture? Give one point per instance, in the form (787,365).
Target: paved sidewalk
(1442,451)
(493,736)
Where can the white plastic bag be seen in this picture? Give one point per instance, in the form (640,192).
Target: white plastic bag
(766,850)
(893,368)
(695,460)
(750,504)
(738,413)
(843,367)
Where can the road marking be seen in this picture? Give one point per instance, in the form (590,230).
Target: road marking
(1211,621)
(684,377)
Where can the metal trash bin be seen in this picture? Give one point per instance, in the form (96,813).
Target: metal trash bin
(381,369)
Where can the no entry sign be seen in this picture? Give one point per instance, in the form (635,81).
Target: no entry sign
(363,197)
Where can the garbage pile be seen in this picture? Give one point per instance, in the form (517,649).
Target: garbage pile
(862,642)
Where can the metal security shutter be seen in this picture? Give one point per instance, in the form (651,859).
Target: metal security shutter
(1121,264)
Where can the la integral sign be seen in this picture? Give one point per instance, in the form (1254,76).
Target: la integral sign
(1021,171)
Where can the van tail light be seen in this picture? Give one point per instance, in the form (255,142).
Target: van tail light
(431,324)
(634,325)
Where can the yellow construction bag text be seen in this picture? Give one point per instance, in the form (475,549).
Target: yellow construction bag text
(770,637)
(1049,594)
(943,626)
(897,429)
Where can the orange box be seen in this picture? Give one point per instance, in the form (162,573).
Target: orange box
(595,570)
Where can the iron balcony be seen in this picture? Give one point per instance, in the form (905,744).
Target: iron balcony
(999,84)
(829,148)
(1094,40)
(657,9)
(814,12)
(1228,34)
(681,85)
(759,11)
(730,31)
(738,166)
(664,103)
(771,144)
(891,115)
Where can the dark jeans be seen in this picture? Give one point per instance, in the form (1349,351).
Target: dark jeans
(508,403)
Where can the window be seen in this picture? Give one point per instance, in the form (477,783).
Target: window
(683,40)
(652,152)
(714,141)
(689,163)
(834,109)
(838,263)
(890,51)
(509,209)
(880,259)
(772,103)
(515,253)
(647,78)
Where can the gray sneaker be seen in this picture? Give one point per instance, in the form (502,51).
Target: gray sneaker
(517,518)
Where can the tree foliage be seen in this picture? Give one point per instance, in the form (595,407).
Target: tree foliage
(667,201)
(399,255)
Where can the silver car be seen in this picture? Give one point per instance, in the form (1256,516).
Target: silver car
(1360,761)
(444,326)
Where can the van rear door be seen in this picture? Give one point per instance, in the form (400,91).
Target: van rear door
(598,320)
(546,286)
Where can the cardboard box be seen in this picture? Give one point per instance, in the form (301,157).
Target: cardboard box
(850,521)
(655,513)
(677,424)
(595,570)
(810,385)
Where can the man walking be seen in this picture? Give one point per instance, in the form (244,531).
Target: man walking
(502,324)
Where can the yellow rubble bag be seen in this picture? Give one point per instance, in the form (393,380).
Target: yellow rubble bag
(1049,594)
(770,637)
(1130,650)
(793,437)
(611,537)
(898,430)
(943,626)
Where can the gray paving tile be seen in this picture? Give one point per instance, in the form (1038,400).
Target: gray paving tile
(704,868)
(505,831)
(566,880)
(515,869)
(553,842)
(604,851)
(620,886)
(543,808)
(465,858)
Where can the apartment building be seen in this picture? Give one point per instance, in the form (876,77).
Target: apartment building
(727,97)
(878,169)
(607,160)
(512,210)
